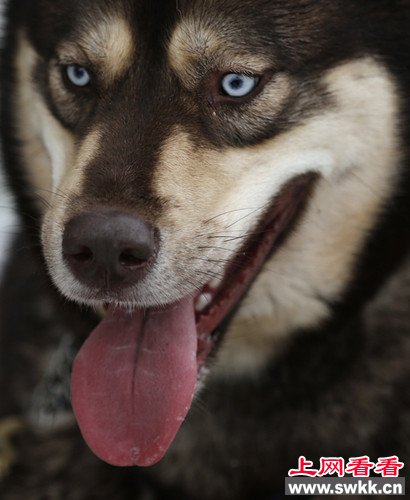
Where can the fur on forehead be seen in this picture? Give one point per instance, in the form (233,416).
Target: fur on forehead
(107,41)
(51,23)
(287,34)
(293,32)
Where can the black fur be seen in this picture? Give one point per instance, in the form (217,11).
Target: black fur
(340,390)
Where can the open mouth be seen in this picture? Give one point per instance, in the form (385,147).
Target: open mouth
(135,377)
(214,304)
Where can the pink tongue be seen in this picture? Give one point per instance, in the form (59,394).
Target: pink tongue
(133,382)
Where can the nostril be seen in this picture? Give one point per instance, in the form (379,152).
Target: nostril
(128,258)
(83,255)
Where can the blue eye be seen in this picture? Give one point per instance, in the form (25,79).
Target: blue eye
(78,75)
(238,85)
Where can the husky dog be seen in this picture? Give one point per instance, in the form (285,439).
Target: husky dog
(214,272)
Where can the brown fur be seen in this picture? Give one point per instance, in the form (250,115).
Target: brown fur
(314,359)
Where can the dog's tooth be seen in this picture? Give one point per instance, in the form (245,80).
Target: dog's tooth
(203,301)
(215,283)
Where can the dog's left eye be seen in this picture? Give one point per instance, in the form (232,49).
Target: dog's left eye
(238,85)
(77,75)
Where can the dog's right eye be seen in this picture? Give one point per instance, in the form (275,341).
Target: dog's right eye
(77,75)
(238,84)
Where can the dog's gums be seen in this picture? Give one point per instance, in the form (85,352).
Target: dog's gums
(135,378)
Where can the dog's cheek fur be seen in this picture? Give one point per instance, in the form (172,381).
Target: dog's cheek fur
(54,158)
(61,208)
(313,269)
(35,158)
(353,145)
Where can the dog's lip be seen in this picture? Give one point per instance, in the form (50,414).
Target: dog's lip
(224,295)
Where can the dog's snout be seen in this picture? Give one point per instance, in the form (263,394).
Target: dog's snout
(108,249)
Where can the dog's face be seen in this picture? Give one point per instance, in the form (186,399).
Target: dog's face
(208,130)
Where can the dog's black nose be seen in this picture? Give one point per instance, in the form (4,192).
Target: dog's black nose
(108,249)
